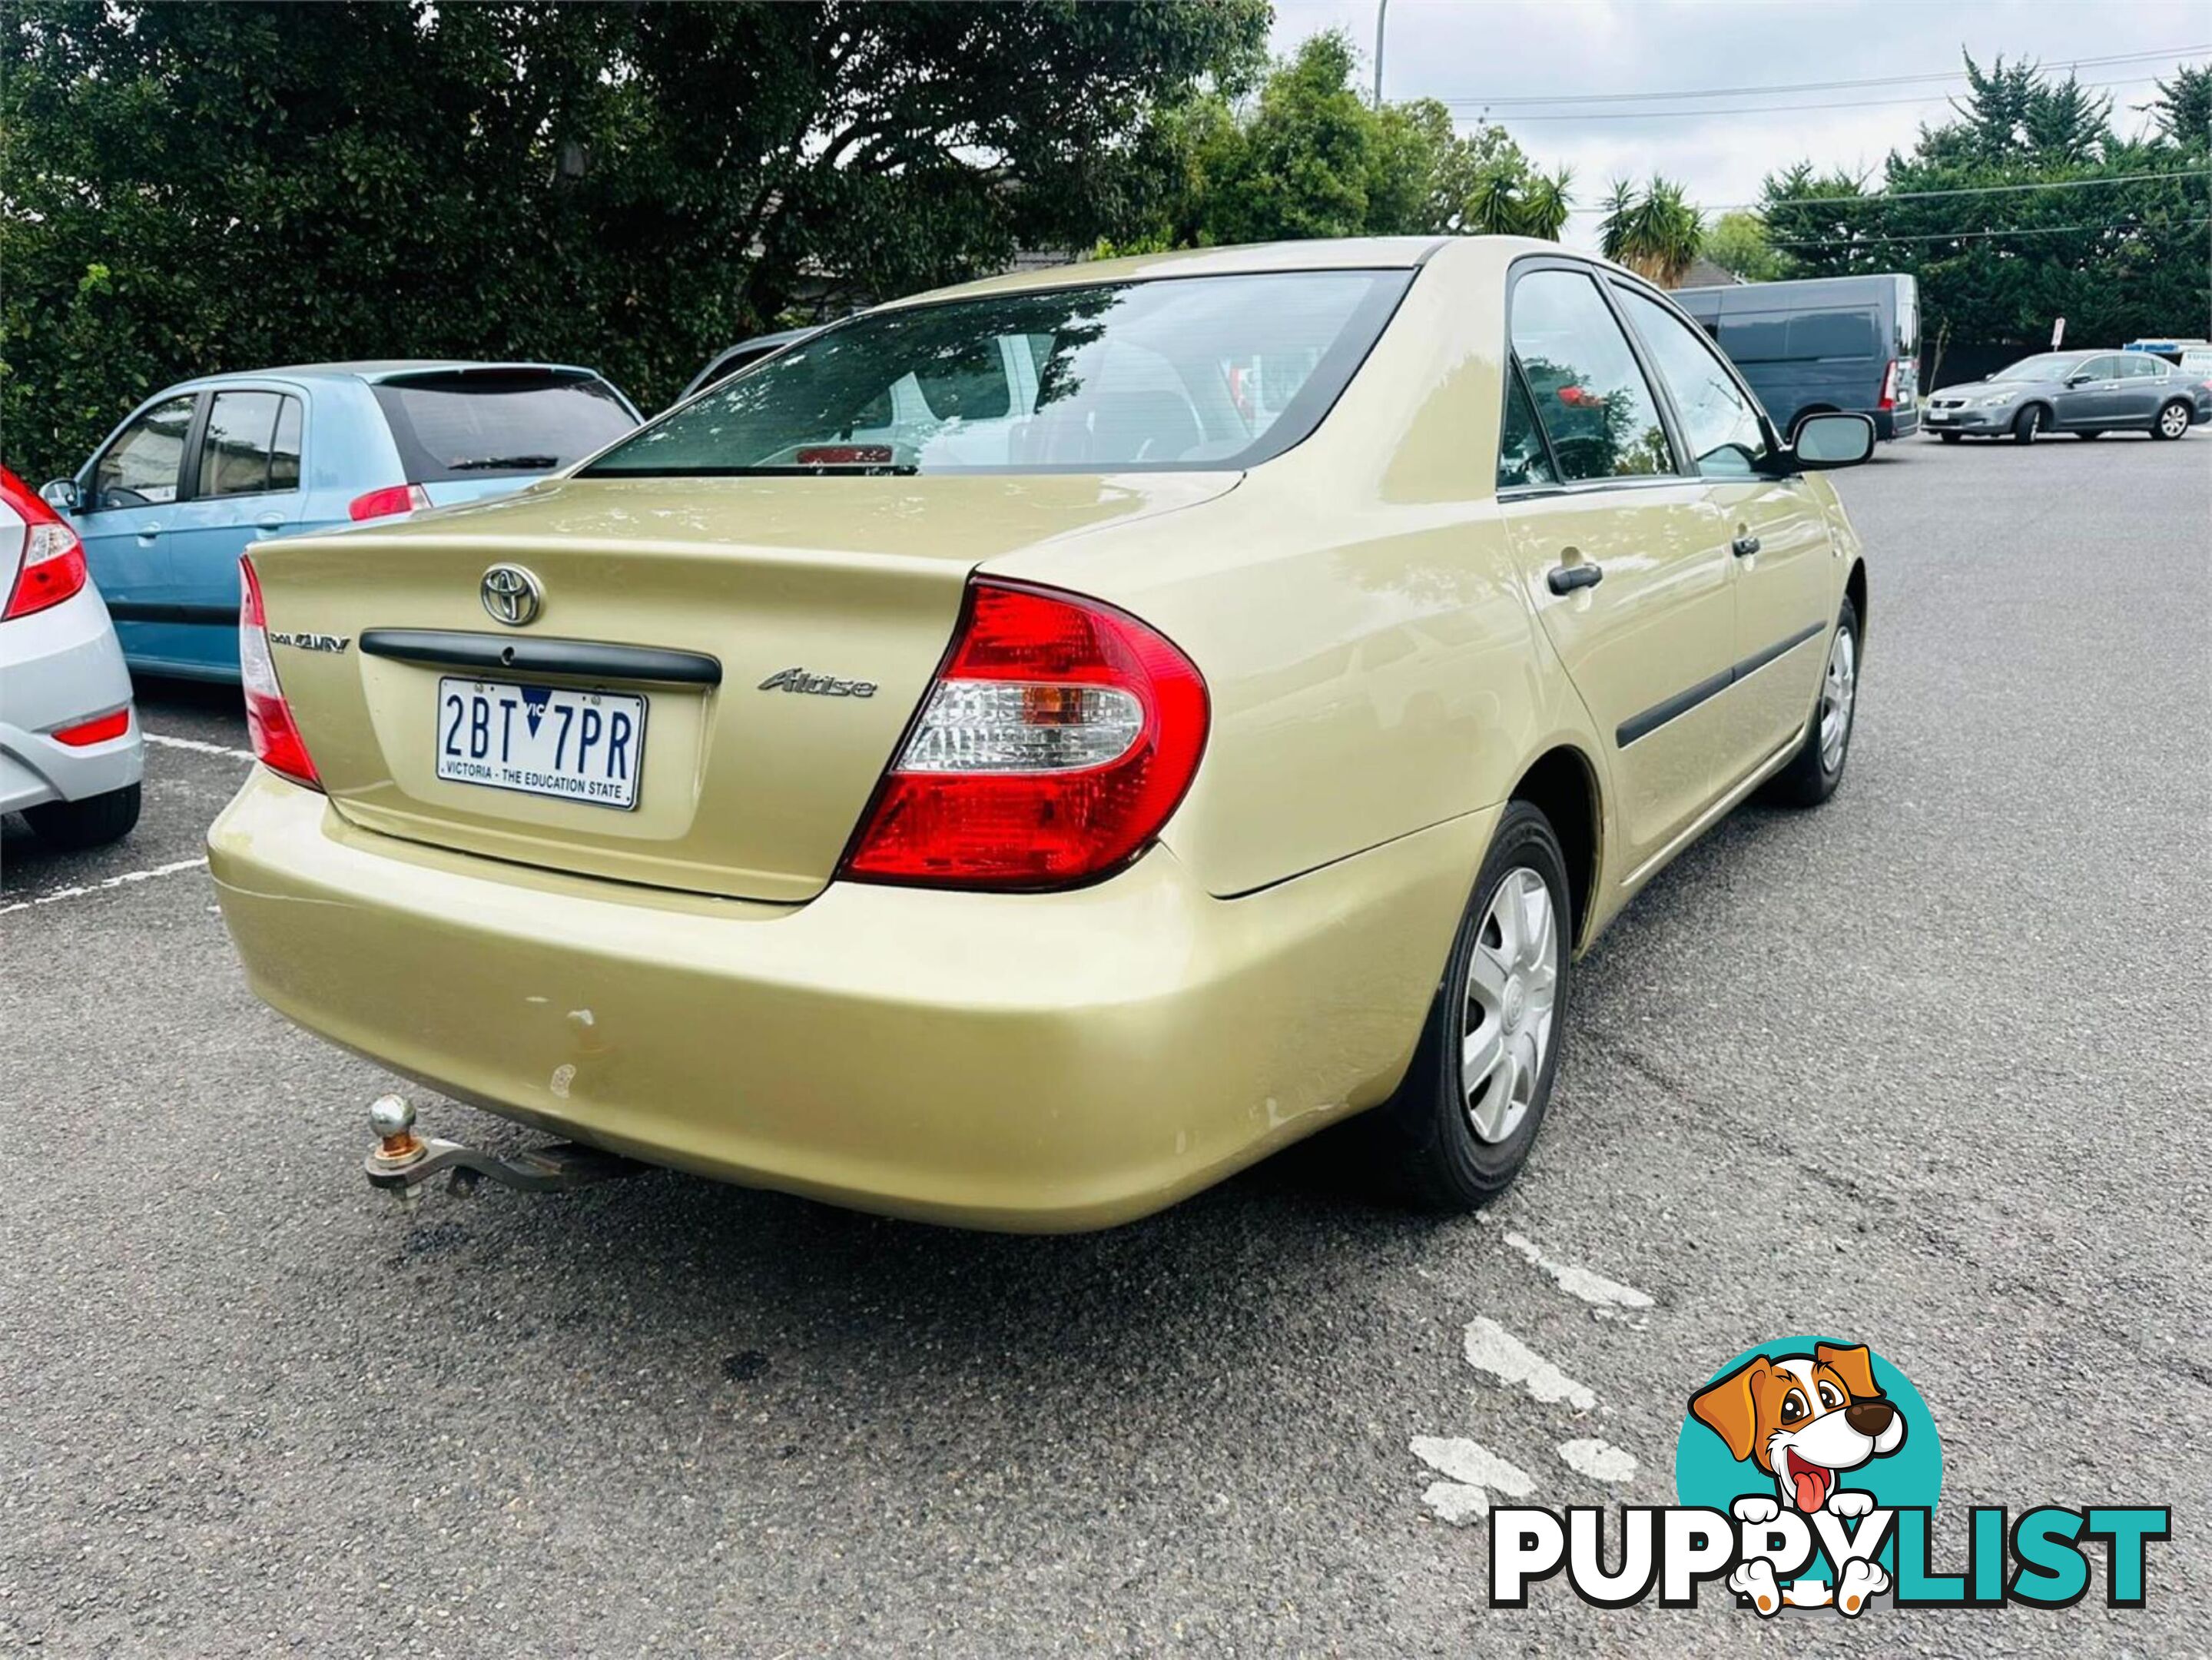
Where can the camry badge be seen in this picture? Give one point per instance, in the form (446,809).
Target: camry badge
(512,595)
(310,641)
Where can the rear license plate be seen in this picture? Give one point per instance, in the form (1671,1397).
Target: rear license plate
(544,740)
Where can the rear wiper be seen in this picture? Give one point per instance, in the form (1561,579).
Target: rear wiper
(481,463)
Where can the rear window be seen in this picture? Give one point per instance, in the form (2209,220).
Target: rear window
(1192,373)
(480,425)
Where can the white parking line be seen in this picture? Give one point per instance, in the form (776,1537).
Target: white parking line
(1599,1460)
(1604,1296)
(105,883)
(1474,1469)
(1492,1348)
(194,744)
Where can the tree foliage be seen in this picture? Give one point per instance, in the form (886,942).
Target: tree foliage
(1995,266)
(2183,107)
(1310,156)
(1737,242)
(190,188)
(1654,231)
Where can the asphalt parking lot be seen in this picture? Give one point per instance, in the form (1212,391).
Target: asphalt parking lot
(1926,1068)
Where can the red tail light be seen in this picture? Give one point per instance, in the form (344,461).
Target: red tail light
(276,741)
(1888,386)
(383,503)
(53,559)
(100,729)
(1058,737)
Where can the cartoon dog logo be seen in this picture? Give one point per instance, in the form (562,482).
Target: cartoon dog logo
(1804,1420)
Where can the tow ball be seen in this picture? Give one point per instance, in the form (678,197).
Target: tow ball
(402,1161)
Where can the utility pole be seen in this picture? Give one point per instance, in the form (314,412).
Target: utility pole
(1381,11)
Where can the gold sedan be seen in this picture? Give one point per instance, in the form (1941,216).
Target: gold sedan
(1027,752)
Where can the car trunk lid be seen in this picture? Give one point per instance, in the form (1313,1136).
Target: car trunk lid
(748,783)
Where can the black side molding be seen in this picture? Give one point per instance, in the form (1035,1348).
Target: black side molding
(1750,666)
(588,659)
(133,611)
(1644,725)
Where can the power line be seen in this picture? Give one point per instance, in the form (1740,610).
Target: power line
(1960,190)
(1811,86)
(1978,235)
(1763,109)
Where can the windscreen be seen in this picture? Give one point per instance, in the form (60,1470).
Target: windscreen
(1204,373)
(2051,365)
(479,425)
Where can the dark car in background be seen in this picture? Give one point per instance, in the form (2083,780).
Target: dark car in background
(743,356)
(1833,343)
(2087,393)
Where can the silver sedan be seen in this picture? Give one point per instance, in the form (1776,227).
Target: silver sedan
(2087,393)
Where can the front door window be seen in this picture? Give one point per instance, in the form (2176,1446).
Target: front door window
(141,467)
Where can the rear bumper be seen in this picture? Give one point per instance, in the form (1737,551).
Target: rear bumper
(1900,422)
(59,667)
(1026,1062)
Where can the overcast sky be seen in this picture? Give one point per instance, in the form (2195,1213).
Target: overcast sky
(1482,50)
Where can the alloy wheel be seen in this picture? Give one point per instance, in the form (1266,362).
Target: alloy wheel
(1512,985)
(2173,421)
(1838,693)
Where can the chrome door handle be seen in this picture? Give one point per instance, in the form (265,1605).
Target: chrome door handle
(1744,546)
(1565,579)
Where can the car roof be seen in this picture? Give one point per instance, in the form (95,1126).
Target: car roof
(386,368)
(1324,254)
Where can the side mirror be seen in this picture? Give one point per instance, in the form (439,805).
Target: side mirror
(61,495)
(1834,440)
(2079,380)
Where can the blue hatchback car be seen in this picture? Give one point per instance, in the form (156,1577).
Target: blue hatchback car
(202,471)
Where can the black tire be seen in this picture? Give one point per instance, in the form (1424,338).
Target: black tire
(92,823)
(2027,424)
(1808,780)
(1950,437)
(1423,1139)
(2093,432)
(2167,426)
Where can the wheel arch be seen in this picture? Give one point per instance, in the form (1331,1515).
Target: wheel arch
(1855,589)
(1563,785)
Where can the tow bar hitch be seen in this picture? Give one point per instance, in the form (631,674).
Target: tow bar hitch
(401,1161)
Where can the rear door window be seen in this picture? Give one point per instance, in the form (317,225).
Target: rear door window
(141,468)
(238,454)
(1521,455)
(2142,366)
(1594,404)
(484,423)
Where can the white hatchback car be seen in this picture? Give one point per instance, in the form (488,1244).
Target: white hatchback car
(70,756)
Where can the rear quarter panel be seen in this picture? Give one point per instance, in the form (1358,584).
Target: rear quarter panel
(1374,664)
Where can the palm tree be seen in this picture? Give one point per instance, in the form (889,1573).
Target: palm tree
(1656,235)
